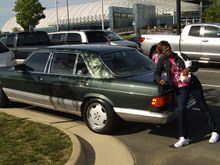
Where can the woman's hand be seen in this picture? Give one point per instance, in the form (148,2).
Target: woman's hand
(162,82)
(186,71)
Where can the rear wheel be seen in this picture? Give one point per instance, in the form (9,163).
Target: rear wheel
(3,98)
(99,116)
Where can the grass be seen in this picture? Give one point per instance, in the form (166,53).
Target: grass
(23,142)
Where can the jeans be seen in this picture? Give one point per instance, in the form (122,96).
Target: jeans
(182,95)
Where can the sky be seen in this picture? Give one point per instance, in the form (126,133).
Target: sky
(6,7)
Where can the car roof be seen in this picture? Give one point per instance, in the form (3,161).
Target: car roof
(90,47)
(78,31)
(218,24)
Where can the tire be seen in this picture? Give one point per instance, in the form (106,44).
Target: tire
(99,116)
(3,98)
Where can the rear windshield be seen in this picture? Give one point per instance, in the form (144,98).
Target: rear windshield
(127,63)
(96,36)
(3,48)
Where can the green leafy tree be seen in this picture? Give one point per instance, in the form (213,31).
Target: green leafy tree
(212,14)
(28,13)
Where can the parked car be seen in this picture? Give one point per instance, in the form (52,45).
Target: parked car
(22,44)
(200,42)
(90,37)
(99,82)
(6,56)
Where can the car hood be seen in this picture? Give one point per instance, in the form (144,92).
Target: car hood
(124,43)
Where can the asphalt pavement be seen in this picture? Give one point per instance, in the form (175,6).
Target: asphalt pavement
(88,148)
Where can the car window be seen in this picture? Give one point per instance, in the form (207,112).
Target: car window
(127,63)
(211,31)
(57,38)
(112,36)
(63,63)
(3,48)
(73,38)
(194,31)
(10,40)
(81,68)
(34,38)
(37,62)
(96,36)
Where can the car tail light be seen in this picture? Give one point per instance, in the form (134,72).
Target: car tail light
(160,101)
(141,39)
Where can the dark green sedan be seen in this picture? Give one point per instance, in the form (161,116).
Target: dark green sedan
(100,83)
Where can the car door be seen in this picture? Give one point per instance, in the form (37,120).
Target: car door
(211,43)
(191,44)
(26,82)
(63,87)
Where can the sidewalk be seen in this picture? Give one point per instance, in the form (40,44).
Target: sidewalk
(88,148)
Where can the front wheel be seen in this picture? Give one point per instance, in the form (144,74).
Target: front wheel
(99,116)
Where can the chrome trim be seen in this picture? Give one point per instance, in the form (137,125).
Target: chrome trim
(145,116)
(54,103)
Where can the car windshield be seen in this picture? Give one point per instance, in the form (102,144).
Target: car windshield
(113,36)
(127,63)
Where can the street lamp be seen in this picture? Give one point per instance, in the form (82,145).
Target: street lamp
(102,6)
(57,15)
(67,10)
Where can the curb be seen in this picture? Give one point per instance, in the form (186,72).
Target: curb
(78,155)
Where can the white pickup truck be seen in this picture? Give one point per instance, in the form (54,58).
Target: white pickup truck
(200,42)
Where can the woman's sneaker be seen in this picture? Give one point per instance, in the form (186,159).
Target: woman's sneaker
(182,142)
(214,138)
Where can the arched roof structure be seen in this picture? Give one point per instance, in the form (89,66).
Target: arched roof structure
(91,11)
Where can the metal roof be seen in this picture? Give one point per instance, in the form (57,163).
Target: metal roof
(91,11)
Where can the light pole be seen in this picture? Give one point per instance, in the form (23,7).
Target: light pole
(57,15)
(178,16)
(102,6)
(67,10)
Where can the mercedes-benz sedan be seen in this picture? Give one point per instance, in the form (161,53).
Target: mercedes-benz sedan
(99,83)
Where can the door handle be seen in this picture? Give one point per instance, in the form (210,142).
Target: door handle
(205,40)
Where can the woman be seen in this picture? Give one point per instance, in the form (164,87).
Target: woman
(173,66)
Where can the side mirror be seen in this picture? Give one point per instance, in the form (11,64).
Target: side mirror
(20,67)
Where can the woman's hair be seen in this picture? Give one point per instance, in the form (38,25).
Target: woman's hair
(159,48)
(164,44)
(160,45)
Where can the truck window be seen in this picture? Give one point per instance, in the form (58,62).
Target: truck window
(34,38)
(194,31)
(73,38)
(57,38)
(10,41)
(211,31)
(96,36)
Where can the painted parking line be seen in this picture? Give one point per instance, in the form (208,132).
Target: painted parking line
(210,71)
(210,85)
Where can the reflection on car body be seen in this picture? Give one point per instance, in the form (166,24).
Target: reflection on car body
(100,83)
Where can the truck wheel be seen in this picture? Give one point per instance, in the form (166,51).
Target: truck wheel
(99,116)
(3,98)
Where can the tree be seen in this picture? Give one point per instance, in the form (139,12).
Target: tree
(28,13)
(212,14)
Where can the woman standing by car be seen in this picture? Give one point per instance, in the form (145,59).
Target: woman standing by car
(178,76)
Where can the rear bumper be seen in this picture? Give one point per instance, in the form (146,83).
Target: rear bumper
(145,116)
